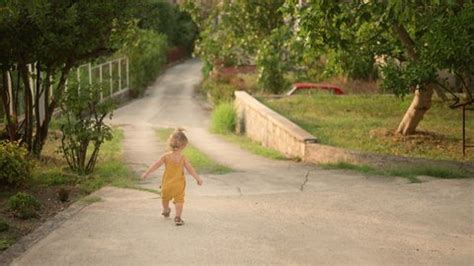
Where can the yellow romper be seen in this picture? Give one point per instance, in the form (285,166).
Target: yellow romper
(173,182)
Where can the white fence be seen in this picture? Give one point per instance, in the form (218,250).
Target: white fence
(114,72)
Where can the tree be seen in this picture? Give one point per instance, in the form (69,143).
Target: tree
(53,36)
(415,37)
(243,32)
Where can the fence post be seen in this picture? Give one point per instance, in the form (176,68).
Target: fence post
(100,82)
(79,78)
(10,90)
(120,74)
(127,74)
(90,73)
(111,79)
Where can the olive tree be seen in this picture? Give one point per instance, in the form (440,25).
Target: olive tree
(417,38)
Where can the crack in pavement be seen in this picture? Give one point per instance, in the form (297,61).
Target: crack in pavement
(240,191)
(306,178)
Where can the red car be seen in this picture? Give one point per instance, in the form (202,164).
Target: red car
(317,86)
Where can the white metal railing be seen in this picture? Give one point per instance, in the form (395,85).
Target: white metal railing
(118,77)
(104,72)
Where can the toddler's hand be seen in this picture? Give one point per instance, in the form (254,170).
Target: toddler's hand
(144,176)
(199,181)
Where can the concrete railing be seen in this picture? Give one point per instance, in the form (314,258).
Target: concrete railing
(266,126)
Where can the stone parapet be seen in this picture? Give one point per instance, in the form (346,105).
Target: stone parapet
(264,125)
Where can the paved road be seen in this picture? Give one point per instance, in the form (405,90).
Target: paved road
(265,212)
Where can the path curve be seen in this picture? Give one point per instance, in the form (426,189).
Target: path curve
(172,103)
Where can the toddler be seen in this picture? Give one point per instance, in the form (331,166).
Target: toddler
(173,182)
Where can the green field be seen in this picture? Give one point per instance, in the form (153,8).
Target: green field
(367,123)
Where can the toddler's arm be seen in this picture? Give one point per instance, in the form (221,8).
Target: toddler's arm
(154,166)
(191,171)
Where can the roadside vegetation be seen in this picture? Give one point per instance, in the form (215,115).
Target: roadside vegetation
(51,186)
(223,122)
(412,174)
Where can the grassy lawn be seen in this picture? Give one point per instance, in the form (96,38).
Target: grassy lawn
(410,173)
(253,146)
(110,169)
(200,161)
(367,123)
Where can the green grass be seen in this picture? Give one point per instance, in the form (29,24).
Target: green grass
(200,161)
(91,199)
(366,123)
(253,146)
(7,239)
(223,118)
(406,172)
(110,169)
(5,243)
(223,122)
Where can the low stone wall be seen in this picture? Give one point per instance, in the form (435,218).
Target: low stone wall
(266,126)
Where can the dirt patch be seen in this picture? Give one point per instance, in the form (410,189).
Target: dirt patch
(50,206)
(417,141)
(419,138)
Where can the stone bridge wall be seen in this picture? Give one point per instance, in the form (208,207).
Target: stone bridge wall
(264,125)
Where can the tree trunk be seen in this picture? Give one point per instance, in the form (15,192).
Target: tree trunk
(418,107)
(28,101)
(50,105)
(7,99)
(422,100)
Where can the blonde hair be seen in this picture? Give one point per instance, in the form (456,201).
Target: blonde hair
(177,140)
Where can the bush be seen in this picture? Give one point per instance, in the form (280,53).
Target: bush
(83,126)
(163,17)
(16,167)
(217,91)
(24,205)
(223,119)
(4,244)
(147,52)
(4,226)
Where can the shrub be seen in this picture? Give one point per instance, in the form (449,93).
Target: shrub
(24,205)
(4,244)
(223,119)
(206,69)
(4,226)
(147,53)
(16,167)
(271,64)
(83,126)
(218,92)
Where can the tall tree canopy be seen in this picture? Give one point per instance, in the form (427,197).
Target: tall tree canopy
(54,35)
(417,38)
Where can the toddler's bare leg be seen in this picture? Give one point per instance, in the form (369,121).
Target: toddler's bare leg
(179,209)
(166,205)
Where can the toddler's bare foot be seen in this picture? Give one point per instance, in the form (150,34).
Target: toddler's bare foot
(166,213)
